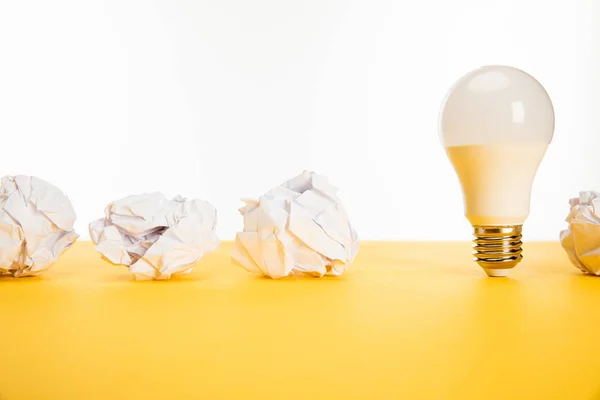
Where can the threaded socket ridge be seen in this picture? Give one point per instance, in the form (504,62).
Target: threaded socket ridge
(497,247)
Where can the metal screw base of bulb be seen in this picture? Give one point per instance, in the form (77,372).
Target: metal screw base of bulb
(497,248)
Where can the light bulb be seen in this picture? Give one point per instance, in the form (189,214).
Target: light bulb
(495,124)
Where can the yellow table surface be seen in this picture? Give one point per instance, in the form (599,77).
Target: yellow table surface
(407,321)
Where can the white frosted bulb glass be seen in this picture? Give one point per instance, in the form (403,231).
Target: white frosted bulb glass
(496,123)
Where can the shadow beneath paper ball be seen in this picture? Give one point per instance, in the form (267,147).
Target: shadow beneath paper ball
(181,279)
(584,275)
(301,278)
(22,280)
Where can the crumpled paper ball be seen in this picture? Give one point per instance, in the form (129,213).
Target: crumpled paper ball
(297,227)
(155,237)
(581,240)
(36,225)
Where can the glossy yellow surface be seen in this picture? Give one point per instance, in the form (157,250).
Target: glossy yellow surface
(407,321)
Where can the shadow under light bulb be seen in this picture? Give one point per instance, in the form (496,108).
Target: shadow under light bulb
(495,124)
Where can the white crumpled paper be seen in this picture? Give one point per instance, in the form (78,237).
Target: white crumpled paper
(36,225)
(298,227)
(581,240)
(156,237)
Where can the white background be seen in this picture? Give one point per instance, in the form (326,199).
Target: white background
(224,99)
